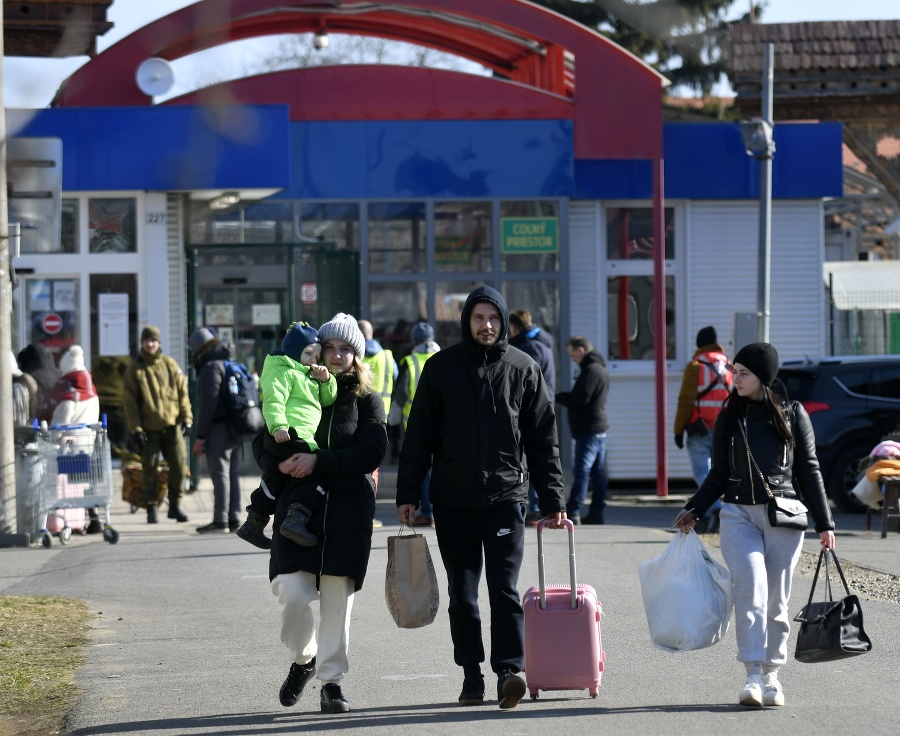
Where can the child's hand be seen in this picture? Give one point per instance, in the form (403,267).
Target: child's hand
(281,435)
(320,373)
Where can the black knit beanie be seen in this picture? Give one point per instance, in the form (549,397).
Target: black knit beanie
(707,336)
(762,359)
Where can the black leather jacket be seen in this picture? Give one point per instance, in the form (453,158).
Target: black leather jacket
(790,473)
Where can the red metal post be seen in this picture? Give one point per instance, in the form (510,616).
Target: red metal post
(659,319)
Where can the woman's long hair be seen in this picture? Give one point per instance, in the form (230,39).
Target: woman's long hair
(735,406)
(364,375)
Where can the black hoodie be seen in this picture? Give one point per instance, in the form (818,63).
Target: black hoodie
(37,361)
(483,421)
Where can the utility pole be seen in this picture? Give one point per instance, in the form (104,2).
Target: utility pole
(765,201)
(8,517)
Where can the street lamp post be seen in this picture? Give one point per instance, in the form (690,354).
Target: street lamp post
(759,143)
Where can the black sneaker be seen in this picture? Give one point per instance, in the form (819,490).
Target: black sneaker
(332,699)
(472,690)
(510,689)
(294,526)
(252,530)
(214,527)
(294,683)
(593,519)
(233,525)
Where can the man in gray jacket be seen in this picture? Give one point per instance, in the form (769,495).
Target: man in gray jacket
(483,422)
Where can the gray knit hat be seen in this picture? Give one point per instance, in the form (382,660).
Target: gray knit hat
(344,327)
(201,337)
(422,332)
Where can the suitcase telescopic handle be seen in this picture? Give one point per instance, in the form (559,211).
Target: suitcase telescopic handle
(570,528)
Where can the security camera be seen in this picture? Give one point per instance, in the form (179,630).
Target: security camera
(320,41)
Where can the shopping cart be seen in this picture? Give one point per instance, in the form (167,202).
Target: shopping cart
(76,473)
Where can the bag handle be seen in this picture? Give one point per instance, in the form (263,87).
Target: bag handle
(824,554)
(573,586)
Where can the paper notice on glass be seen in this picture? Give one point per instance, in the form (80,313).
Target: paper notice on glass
(113,323)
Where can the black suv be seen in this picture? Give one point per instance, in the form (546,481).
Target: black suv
(853,403)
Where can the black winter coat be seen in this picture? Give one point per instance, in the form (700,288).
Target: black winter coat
(586,401)
(539,345)
(210,368)
(733,476)
(482,419)
(352,441)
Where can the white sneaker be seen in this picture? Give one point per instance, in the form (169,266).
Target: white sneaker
(773,693)
(752,694)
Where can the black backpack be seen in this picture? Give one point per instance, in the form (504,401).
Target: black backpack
(241,399)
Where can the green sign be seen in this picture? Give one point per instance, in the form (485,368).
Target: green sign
(529,235)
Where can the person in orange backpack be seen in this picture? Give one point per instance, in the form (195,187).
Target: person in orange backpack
(705,385)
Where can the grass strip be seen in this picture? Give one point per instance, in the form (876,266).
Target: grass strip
(41,647)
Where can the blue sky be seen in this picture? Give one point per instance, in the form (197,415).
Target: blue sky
(31,83)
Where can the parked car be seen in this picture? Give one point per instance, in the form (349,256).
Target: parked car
(853,403)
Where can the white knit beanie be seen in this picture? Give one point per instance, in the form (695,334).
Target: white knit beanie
(14,365)
(344,327)
(72,360)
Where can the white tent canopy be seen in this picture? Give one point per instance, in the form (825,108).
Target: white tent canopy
(864,284)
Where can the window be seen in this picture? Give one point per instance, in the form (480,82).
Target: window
(630,248)
(397,237)
(112,225)
(629,233)
(462,237)
(632,326)
(886,383)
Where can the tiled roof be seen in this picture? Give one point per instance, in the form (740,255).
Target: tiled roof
(823,46)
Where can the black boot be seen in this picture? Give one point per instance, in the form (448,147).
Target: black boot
(294,526)
(252,530)
(176,513)
(151,515)
(296,680)
(473,688)
(333,700)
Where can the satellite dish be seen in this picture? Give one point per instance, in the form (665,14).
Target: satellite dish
(154,77)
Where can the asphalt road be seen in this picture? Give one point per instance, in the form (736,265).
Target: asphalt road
(184,640)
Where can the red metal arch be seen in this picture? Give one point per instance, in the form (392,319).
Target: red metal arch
(370,92)
(618,112)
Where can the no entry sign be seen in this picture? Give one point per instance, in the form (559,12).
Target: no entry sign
(52,323)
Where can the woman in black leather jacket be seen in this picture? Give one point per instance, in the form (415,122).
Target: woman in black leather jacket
(760,433)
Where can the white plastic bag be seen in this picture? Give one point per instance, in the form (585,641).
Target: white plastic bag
(687,596)
(869,492)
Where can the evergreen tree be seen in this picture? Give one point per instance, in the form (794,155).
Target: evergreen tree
(682,39)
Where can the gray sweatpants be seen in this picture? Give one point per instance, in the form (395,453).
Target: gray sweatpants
(761,560)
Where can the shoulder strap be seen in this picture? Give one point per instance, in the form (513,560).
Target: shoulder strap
(718,379)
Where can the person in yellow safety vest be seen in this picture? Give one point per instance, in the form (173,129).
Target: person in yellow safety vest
(411,366)
(705,385)
(382,364)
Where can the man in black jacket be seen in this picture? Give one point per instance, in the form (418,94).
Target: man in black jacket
(482,420)
(586,403)
(537,343)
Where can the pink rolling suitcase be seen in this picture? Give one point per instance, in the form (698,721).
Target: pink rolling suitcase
(563,650)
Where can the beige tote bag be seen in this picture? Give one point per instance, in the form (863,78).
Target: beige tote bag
(410,585)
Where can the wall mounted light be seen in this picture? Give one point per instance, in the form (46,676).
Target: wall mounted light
(320,40)
(224,201)
(757,136)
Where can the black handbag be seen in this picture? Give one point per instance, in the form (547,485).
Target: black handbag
(831,629)
(785,513)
